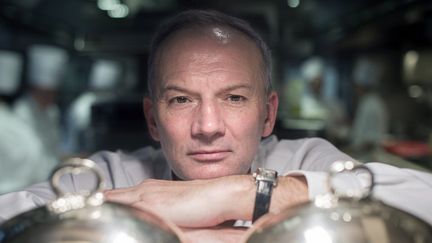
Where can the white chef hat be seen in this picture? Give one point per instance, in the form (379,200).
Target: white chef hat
(367,72)
(11,64)
(105,74)
(312,68)
(46,65)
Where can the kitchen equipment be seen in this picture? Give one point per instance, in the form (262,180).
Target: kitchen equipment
(84,217)
(341,216)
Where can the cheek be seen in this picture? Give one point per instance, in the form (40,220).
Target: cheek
(246,123)
(173,129)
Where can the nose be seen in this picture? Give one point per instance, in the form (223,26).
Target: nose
(208,122)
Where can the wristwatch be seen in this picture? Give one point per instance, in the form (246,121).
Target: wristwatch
(265,180)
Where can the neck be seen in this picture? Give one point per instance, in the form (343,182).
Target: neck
(175,177)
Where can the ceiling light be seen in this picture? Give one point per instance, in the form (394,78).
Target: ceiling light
(120,11)
(107,4)
(293,3)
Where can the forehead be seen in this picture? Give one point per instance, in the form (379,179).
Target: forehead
(223,35)
(210,48)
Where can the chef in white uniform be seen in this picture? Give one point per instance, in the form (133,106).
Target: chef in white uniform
(38,106)
(21,157)
(104,78)
(315,106)
(371,117)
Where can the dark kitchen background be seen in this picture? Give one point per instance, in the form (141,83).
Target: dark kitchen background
(107,42)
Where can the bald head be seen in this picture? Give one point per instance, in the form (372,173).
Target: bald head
(210,26)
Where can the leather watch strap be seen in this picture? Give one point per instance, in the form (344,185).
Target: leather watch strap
(265,180)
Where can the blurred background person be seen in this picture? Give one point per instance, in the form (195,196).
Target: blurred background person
(370,124)
(38,107)
(21,159)
(316,105)
(103,81)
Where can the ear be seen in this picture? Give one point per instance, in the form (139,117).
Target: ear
(272,107)
(150,118)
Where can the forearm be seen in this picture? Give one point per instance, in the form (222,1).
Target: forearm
(239,200)
(291,190)
(207,203)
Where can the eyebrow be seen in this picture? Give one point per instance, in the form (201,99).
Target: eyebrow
(173,87)
(238,86)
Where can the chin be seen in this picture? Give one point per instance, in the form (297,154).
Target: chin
(211,172)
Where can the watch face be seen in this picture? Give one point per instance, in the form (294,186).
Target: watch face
(263,174)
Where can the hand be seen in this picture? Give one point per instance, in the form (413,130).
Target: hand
(197,203)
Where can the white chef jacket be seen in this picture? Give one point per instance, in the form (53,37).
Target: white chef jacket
(370,121)
(21,155)
(79,119)
(329,111)
(44,122)
(403,188)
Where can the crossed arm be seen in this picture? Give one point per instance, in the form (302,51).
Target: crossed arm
(201,207)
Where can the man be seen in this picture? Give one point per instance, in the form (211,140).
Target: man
(38,106)
(370,125)
(210,103)
(314,104)
(19,146)
(105,76)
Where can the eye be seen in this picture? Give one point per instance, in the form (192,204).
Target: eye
(179,100)
(236,98)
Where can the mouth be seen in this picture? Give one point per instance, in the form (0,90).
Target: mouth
(209,156)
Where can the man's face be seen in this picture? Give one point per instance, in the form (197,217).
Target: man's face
(210,108)
(45,97)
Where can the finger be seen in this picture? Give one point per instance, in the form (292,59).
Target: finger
(124,196)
